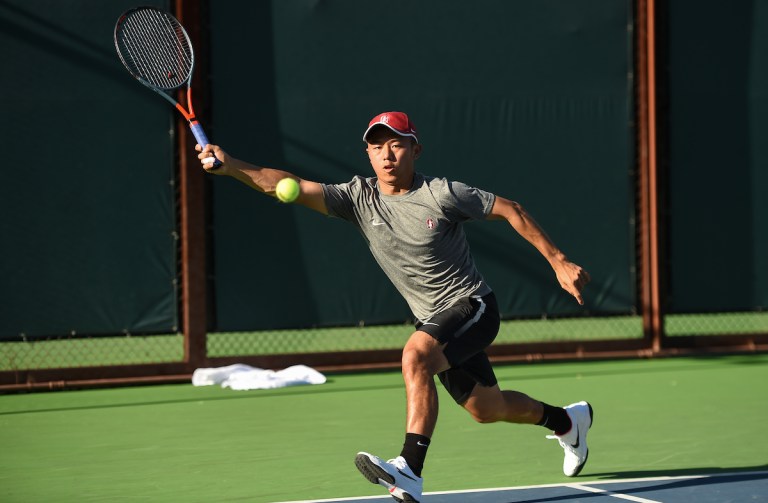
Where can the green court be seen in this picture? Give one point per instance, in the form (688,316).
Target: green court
(660,417)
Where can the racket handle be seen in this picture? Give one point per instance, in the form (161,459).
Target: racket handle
(202,140)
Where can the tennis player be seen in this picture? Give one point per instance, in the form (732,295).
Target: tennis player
(413,225)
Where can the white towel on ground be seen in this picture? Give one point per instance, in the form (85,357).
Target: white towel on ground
(244,377)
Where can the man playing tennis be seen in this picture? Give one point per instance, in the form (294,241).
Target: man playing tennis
(413,226)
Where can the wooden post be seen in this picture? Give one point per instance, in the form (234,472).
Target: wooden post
(648,211)
(192,197)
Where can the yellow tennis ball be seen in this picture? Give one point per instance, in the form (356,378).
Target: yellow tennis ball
(287,190)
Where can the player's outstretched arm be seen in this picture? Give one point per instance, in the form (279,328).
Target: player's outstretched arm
(572,277)
(260,178)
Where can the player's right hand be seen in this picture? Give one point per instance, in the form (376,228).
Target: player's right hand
(572,278)
(208,155)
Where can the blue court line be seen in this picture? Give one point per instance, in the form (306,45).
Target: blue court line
(712,488)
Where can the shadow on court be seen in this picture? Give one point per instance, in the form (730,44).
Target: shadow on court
(711,489)
(648,474)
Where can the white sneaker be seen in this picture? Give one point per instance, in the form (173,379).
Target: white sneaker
(575,441)
(394,474)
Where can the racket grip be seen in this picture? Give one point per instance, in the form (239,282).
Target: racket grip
(202,139)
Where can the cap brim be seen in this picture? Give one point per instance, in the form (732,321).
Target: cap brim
(399,133)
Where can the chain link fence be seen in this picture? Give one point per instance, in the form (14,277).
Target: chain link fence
(716,324)
(394,336)
(76,351)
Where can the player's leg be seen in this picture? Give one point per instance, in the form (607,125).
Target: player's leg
(470,324)
(422,359)
(446,340)
(489,404)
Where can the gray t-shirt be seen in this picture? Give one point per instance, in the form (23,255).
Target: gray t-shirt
(417,237)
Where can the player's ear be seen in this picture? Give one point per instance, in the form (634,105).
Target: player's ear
(416,149)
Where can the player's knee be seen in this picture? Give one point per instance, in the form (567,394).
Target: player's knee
(414,360)
(421,358)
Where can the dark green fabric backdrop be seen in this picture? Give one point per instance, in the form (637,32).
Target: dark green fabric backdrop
(718,170)
(531,99)
(87,213)
(528,99)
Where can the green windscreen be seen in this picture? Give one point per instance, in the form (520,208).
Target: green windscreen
(86,196)
(531,100)
(718,173)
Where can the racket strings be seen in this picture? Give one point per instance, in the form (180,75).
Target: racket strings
(155,48)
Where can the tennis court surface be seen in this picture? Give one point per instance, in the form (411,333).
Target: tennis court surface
(666,430)
(721,488)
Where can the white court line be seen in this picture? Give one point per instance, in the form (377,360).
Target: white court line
(580,485)
(610,493)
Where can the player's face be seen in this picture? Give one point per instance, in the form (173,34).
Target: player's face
(392,157)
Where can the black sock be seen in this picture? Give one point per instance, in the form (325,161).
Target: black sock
(555,419)
(414,451)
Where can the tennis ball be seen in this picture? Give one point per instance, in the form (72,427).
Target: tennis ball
(287,190)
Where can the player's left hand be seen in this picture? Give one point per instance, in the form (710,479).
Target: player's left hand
(572,278)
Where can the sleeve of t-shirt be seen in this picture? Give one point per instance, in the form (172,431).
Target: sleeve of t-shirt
(462,202)
(340,198)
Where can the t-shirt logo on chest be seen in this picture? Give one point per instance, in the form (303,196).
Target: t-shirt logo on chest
(431,224)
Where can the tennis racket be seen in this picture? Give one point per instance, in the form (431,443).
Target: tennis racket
(156,50)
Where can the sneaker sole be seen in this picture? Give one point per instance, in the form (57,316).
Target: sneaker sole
(591,422)
(374,473)
(578,469)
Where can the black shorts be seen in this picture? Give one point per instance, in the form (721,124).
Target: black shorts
(467,328)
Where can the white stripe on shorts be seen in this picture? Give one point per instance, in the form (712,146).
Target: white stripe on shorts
(474,319)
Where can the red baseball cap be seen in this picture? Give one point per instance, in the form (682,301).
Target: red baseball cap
(396,121)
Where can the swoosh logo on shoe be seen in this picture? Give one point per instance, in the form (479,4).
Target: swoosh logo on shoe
(578,434)
(405,475)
